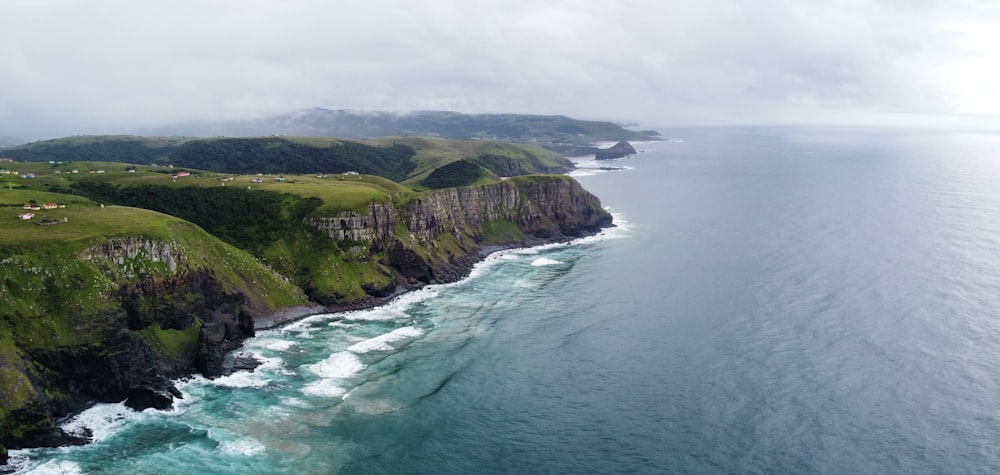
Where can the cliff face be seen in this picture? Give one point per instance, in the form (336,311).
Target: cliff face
(540,206)
(124,253)
(437,236)
(618,150)
(126,313)
(374,226)
(114,321)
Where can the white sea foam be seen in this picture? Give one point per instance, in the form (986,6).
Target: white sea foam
(281,345)
(323,388)
(382,342)
(584,172)
(53,467)
(294,402)
(396,309)
(102,419)
(267,363)
(239,379)
(604,143)
(588,165)
(621,230)
(245,446)
(590,170)
(338,365)
(524,284)
(545,261)
(305,325)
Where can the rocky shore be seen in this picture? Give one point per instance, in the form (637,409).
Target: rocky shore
(189,320)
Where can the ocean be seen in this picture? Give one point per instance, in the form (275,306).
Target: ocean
(773,300)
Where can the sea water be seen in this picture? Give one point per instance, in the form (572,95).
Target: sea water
(772,301)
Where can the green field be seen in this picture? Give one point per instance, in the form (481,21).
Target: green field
(433,153)
(81,220)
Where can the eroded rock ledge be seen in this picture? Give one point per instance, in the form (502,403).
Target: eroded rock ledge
(169,317)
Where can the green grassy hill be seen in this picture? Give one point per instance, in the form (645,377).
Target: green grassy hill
(77,302)
(554,132)
(503,159)
(158,270)
(402,159)
(97,148)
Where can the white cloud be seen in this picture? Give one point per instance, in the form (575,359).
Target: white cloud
(98,66)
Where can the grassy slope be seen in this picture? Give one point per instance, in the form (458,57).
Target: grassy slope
(303,256)
(433,153)
(340,271)
(118,148)
(83,223)
(52,300)
(77,140)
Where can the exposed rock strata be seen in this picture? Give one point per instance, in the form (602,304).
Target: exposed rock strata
(544,208)
(375,226)
(436,237)
(157,288)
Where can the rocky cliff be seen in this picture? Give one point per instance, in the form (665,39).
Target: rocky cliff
(116,319)
(376,225)
(541,206)
(436,236)
(618,150)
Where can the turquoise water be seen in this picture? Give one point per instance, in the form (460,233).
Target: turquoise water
(773,301)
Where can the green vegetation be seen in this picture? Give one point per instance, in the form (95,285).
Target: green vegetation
(432,153)
(277,155)
(249,219)
(16,389)
(175,344)
(501,231)
(144,261)
(97,148)
(460,173)
(266,220)
(401,159)
(554,132)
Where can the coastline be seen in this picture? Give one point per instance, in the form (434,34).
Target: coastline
(460,269)
(291,315)
(566,213)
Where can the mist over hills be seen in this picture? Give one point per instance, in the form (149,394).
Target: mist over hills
(555,132)
(8,141)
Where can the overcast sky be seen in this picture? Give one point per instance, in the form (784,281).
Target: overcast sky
(102,66)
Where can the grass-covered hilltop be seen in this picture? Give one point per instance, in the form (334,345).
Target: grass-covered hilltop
(128,261)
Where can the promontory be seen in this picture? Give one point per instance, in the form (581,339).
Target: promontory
(118,277)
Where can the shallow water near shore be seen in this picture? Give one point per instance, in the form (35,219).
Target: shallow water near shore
(773,301)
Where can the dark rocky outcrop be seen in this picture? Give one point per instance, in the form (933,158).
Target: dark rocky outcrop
(50,437)
(156,392)
(168,318)
(544,208)
(618,150)
(161,324)
(220,334)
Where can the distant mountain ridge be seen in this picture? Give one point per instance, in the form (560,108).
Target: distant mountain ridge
(555,132)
